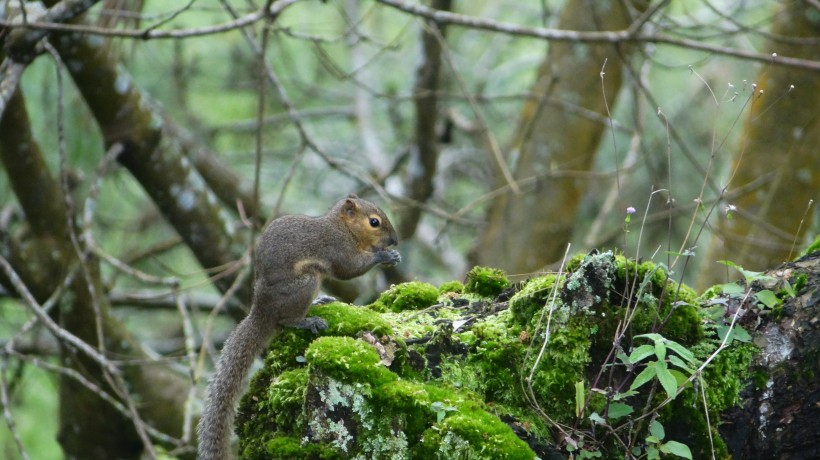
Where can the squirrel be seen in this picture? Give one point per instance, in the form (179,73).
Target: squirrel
(293,254)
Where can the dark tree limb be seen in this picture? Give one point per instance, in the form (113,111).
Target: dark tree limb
(421,170)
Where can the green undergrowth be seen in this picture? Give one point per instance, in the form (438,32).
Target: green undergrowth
(449,372)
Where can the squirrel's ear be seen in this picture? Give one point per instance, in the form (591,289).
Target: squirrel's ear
(350,207)
(352,195)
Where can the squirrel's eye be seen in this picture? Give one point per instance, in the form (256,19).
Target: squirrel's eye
(374,222)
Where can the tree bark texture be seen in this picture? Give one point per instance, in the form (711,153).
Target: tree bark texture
(525,232)
(779,417)
(779,146)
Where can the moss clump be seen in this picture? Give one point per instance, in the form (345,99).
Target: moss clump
(257,420)
(290,448)
(451,286)
(662,305)
(407,406)
(414,295)
(281,411)
(469,432)
(286,396)
(486,282)
(529,301)
(348,360)
(349,320)
(813,247)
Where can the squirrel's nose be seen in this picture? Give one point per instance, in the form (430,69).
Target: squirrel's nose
(394,240)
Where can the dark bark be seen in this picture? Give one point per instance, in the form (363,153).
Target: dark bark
(421,171)
(779,417)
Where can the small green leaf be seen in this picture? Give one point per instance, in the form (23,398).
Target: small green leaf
(731,289)
(646,375)
(675,361)
(625,394)
(618,410)
(741,335)
(789,289)
(596,418)
(640,353)
(682,351)
(660,350)
(767,298)
(680,378)
(580,395)
(738,333)
(668,382)
(656,430)
(651,336)
(676,448)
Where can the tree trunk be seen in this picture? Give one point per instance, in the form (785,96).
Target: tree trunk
(528,231)
(778,147)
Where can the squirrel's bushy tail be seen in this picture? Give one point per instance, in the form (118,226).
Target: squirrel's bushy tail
(244,344)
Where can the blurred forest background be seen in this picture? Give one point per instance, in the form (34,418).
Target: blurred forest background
(145,143)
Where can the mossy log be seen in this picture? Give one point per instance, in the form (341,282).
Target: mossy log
(463,375)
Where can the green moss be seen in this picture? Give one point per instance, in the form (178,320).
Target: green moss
(290,448)
(348,360)
(565,358)
(451,286)
(286,396)
(472,433)
(528,302)
(727,375)
(349,320)
(663,306)
(407,404)
(486,282)
(414,295)
(256,419)
(813,247)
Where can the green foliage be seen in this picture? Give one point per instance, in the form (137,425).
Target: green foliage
(486,281)
(413,295)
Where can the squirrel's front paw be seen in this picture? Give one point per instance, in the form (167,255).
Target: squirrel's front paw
(389,257)
(313,323)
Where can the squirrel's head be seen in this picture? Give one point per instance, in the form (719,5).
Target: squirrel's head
(367,223)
